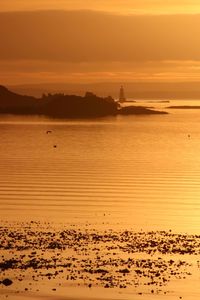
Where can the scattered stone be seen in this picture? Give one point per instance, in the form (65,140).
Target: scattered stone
(108,259)
(7,282)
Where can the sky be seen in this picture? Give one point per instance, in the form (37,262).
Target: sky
(99,41)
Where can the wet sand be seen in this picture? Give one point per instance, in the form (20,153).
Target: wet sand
(43,261)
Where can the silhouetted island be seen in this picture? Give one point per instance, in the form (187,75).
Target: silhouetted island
(138,110)
(66,106)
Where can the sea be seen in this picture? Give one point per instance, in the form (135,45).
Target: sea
(135,172)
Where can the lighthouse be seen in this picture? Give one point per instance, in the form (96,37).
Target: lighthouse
(121,95)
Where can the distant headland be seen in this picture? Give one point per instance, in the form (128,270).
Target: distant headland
(66,106)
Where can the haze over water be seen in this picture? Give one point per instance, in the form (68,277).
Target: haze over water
(139,172)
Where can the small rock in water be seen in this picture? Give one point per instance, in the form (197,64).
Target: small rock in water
(7,282)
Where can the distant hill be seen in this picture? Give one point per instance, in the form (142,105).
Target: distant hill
(12,103)
(8,98)
(133,90)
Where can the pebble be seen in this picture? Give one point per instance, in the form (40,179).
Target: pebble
(96,258)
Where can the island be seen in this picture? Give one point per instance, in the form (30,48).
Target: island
(67,106)
(138,110)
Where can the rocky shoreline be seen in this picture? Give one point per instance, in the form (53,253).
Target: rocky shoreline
(141,261)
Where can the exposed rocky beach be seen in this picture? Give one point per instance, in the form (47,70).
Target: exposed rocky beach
(37,256)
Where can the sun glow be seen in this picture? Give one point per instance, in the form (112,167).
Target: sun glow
(170,50)
(113,6)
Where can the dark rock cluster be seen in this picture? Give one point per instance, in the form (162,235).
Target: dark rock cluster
(110,259)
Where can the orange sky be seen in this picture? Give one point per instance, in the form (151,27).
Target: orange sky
(99,40)
(119,6)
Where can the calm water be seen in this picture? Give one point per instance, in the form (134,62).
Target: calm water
(135,172)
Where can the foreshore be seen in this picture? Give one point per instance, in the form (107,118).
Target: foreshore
(42,262)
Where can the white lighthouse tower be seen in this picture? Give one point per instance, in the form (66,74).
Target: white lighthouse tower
(121,95)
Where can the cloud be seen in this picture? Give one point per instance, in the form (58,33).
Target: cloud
(85,36)
(117,6)
(16,72)
(88,46)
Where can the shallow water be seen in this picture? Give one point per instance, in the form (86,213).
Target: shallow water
(134,172)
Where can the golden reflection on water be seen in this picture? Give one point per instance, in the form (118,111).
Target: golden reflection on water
(136,172)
